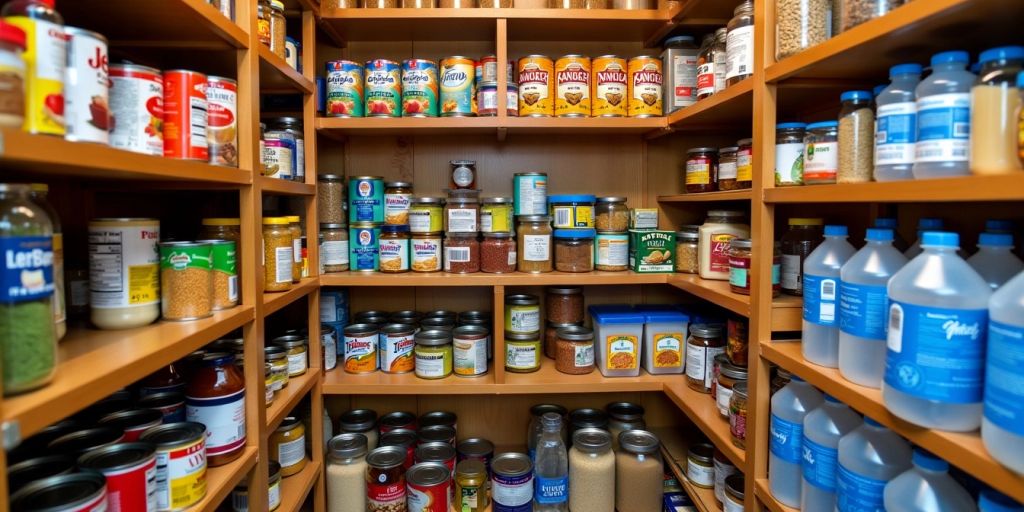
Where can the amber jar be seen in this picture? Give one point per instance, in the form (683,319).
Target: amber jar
(728,376)
(498,253)
(534,244)
(288,446)
(738,415)
(295,225)
(744,163)
(563,304)
(277,254)
(704,343)
(736,345)
(575,350)
(221,229)
(701,170)
(740,251)
(551,338)
(263,21)
(218,382)
(727,168)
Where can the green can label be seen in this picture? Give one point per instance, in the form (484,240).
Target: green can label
(383,88)
(180,257)
(225,257)
(344,89)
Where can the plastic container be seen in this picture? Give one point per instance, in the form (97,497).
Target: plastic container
(943,114)
(995,261)
(789,154)
(869,457)
(862,308)
(789,407)
(896,127)
(938,315)
(618,332)
(995,102)
(992,500)
(801,24)
(923,224)
(664,345)
(823,427)
(821,153)
(927,487)
(821,297)
(1003,423)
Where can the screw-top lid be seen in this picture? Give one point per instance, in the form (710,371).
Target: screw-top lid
(929,223)
(998,225)
(995,240)
(905,69)
(886,223)
(706,330)
(1002,53)
(678,39)
(575,333)
(592,440)
(927,460)
(611,199)
(994,501)
(702,150)
(725,213)
(395,228)
(625,411)
(358,420)
(346,446)
(534,218)
(823,124)
(397,184)
(876,90)
(741,243)
(572,198)
(729,149)
(879,235)
(588,418)
(951,57)
(569,234)
(638,441)
(832,399)
(1020,80)
(471,467)
(855,96)
(541,409)
(835,230)
(687,235)
(434,337)
(805,221)
(790,126)
(275,221)
(12,35)
(940,239)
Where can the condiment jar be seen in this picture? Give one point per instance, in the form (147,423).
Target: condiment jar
(704,343)
(738,415)
(575,350)
(295,346)
(728,376)
(744,164)
(433,354)
(217,390)
(734,493)
(219,228)
(534,244)
(288,446)
(700,465)
(522,352)
(346,470)
(737,343)
(789,154)
(471,486)
(522,314)
(563,304)
(740,251)
(277,357)
(394,249)
(740,44)
(463,174)
(551,338)
(295,225)
(277,254)
(727,168)
(721,227)
(426,214)
(574,250)
(803,236)
(701,170)
(821,153)
(397,195)
(687,250)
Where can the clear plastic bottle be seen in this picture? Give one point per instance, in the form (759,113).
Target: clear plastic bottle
(896,129)
(551,470)
(944,118)
(927,487)
(995,103)
(1002,426)
(995,260)
(923,224)
(938,317)
(789,407)
(821,297)
(890,223)
(869,457)
(823,427)
(862,308)
(992,500)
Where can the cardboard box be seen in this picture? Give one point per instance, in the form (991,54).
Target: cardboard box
(652,251)
(643,218)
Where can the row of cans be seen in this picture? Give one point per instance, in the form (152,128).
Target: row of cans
(578,86)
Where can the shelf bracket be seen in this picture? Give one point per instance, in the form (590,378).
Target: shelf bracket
(11,434)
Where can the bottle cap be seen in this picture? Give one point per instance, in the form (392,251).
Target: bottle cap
(823,124)
(928,460)
(940,239)
(790,126)
(994,501)
(879,235)
(1001,53)
(999,225)
(995,240)
(929,223)
(855,96)
(886,223)
(834,230)
(905,69)
(952,57)
(12,35)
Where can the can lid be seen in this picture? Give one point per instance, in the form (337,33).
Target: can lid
(386,457)
(428,474)
(435,433)
(221,221)
(471,467)
(434,451)
(61,492)
(395,228)
(346,446)
(37,468)
(625,411)
(116,457)
(592,440)
(434,337)
(359,420)
(475,447)
(173,434)
(330,177)
(575,333)
(12,35)
(82,441)
(678,39)
(512,465)
(524,299)
(640,441)
(805,221)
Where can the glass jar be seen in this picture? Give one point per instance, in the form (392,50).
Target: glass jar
(551,338)
(333,248)
(461,215)
(346,467)
(296,348)
(776,269)
(496,215)
(738,415)
(574,250)
(263,21)
(498,253)
(277,357)
(855,12)
(463,172)
(624,416)
(216,389)
(821,153)
(779,379)
(575,350)
(639,472)
(728,376)
(612,214)
(461,253)
(330,199)
(288,446)
(744,163)
(433,354)
(706,67)
(737,342)
(293,126)
(591,469)
(789,154)
(727,168)
(740,251)
(394,249)
(360,421)
(522,352)
(701,170)
(720,228)
(277,254)
(278,28)
(803,236)
(740,43)
(704,343)
(994,108)
(522,314)
(856,138)
(397,195)
(295,226)
(801,24)
(564,304)
(426,214)
(686,252)
(723,469)
(700,465)
(734,493)
(611,251)
(534,244)
(471,484)
(221,229)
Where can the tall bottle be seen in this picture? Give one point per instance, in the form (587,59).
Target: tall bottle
(890,223)
(535,429)
(551,470)
(821,297)
(739,44)
(938,318)
(995,102)
(45,60)
(944,118)
(927,487)
(862,308)
(869,457)
(995,261)
(823,427)
(1002,426)
(896,130)
(789,407)
(923,224)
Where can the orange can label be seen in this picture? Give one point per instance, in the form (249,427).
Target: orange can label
(572,75)
(645,87)
(608,86)
(185,115)
(536,87)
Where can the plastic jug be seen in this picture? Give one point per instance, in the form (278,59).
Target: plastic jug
(869,457)
(823,427)
(944,118)
(999,226)
(890,223)
(789,406)
(821,297)
(923,224)
(938,319)
(992,500)
(863,308)
(927,487)
(896,129)
(1002,426)
(995,260)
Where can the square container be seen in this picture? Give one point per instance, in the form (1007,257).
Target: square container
(664,343)
(618,337)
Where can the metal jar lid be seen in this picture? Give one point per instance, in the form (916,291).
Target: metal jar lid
(564,290)
(360,317)
(611,199)
(448,419)
(706,330)
(386,457)
(534,218)
(701,150)
(356,330)
(496,200)
(357,420)
(397,329)
(330,177)
(397,184)
(476,317)
(734,486)
(471,468)
(132,419)
(741,243)
(592,440)
(639,441)
(438,323)
(625,411)
(274,352)
(429,201)
(346,446)
(575,333)
(436,433)
(290,341)
(732,371)
(521,337)
(174,434)
(405,317)
(434,338)
(588,418)
(441,313)
(61,492)
(739,390)
(428,474)
(702,452)
(116,457)
(522,300)
(542,409)
(691,236)
(288,423)
(470,331)
(435,451)
(511,465)
(726,213)
(398,419)
(475,447)
(360,178)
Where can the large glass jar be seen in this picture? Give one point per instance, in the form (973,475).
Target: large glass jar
(563,304)
(686,252)
(801,24)
(498,253)
(720,228)
(744,163)
(461,253)
(263,21)
(623,416)
(346,467)
(277,254)
(739,43)
(856,137)
(612,214)
(360,421)
(701,173)
(704,343)
(591,470)
(789,154)
(293,126)
(821,153)
(534,243)
(278,28)
(295,225)
(333,248)
(462,215)
(217,390)
(287,446)
(394,249)
(330,199)
(802,237)
(574,250)
(855,12)
(994,109)
(219,228)
(639,472)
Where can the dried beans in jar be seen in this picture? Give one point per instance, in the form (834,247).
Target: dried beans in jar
(575,350)
(461,253)
(574,250)
(564,305)
(498,253)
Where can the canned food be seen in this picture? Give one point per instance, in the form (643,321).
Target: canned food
(77,492)
(38,468)
(436,434)
(124,272)
(366,199)
(180,464)
(86,87)
(536,89)
(137,103)
(222,120)
(457,86)
(489,68)
(130,470)
(344,89)
(609,86)
(426,214)
(438,452)
(425,252)
(476,448)
(522,352)
(44,81)
(81,441)
(419,88)
(396,344)
(279,154)
(429,487)
(360,348)
(133,422)
(469,344)
(383,88)
(171,405)
(530,190)
(512,100)
(511,482)
(185,111)
(398,420)
(645,86)
(487,99)
(385,479)
(572,74)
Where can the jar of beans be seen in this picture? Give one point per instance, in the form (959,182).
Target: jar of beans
(461,253)
(575,352)
(330,198)
(461,215)
(498,253)
(574,250)
(551,337)
(564,304)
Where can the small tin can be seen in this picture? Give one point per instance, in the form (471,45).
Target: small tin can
(512,100)
(572,75)
(383,88)
(457,86)
(130,470)
(171,405)
(133,421)
(489,68)
(645,94)
(137,103)
(396,343)
(536,88)
(77,492)
(487,99)
(344,89)
(401,438)
(366,199)
(360,348)
(363,246)
(476,448)
(429,487)
(293,53)
(185,108)
(180,462)
(419,88)
(222,120)
(608,86)
(438,452)
(446,418)
(469,344)
(86,87)
(398,420)
(511,482)
(530,190)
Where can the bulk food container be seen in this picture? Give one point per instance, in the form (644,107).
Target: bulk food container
(618,333)
(664,342)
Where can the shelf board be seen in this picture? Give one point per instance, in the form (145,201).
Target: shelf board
(674,451)
(764,494)
(285,187)
(289,396)
(277,76)
(548,380)
(221,480)
(338,382)
(583,125)
(94,363)
(274,301)
(726,195)
(703,412)
(46,155)
(786,310)
(1008,187)
(964,450)
(373,126)
(484,279)
(167,23)
(295,488)
(731,108)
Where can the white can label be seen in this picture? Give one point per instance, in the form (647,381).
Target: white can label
(124,266)
(290,453)
(521,356)
(462,220)
(334,253)
(394,255)
(470,356)
(86,90)
(224,417)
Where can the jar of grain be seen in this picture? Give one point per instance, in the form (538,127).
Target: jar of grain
(461,253)
(686,252)
(612,214)
(277,254)
(330,199)
(333,248)
(534,244)
(727,168)
(186,280)
(220,228)
(704,343)
(728,376)
(551,337)
(346,467)
(591,470)
(738,415)
(701,173)
(622,417)
(574,250)
(821,153)
(575,351)
(288,446)
(639,472)
(360,421)
(700,465)
(800,25)
(225,273)
(856,138)
(564,304)
(295,226)
(498,253)
(278,28)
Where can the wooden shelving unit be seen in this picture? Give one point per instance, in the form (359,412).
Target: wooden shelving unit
(673,451)
(296,488)
(708,197)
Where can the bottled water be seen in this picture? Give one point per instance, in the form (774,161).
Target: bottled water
(863,308)
(551,471)
(1002,427)
(890,223)
(927,487)
(999,226)
(896,129)
(869,457)
(923,224)
(944,118)
(821,296)
(823,427)
(938,318)
(789,406)
(992,500)
(995,261)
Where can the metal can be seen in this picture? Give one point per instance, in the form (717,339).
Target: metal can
(137,105)
(293,53)
(278,155)
(170,404)
(512,482)
(383,88)
(487,99)
(609,86)
(425,252)
(180,464)
(344,89)
(572,75)
(398,420)
(86,87)
(536,88)
(489,68)
(522,352)
(385,480)
(124,272)
(496,215)
(363,247)
(222,120)
(476,448)
(77,492)
(366,199)
(438,452)
(185,109)
(130,470)
(512,100)
(419,88)
(133,422)
(360,348)
(530,191)
(645,94)
(429,487)
(457,86)
(469,345)
(396,343)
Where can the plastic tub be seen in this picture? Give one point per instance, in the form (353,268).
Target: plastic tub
(618,333)
(664,336)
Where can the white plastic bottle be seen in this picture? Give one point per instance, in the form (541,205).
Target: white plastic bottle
(927,487)
(896,128)
(923,224)
(821,297)
(863,308)
(992,500)
(823,427)
(869,457)
(944,118)
(938,319)
(551,469)
(995,260)
(789,406)
(1002,426)
(890,223)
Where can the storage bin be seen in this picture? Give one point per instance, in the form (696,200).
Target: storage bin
(664,342)
(618,334)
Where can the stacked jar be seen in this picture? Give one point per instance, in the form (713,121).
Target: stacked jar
(573,219)
(462,228)
(563,307)
(426,227)
(611,241)
(498,249)
(522,333)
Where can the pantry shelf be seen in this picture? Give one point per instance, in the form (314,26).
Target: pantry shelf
(167,23)
(964,450)
(338,382)
(1008,187)
(286,399)
(92,364)
(703,412)
(221,480)
(274,301)
(548,378)
(786,310)
(582,125)
(483,279)
(674,451)
(295,488)
(764,494)
(729,109)
(726,195)
(277,76)
(285,187)
(388,126)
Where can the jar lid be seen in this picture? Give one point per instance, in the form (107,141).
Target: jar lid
(496,200)
(290,340)
(386,457)
(427,200)
(277,5)
(706,330)
(542,409)
(498,234)
(217,359)
(438,322)
(526,299)
(726,213)
(534,218)
(687,235)
(397,184)
(288,423)
(732,371)
(346,446)
(639,441)
(434,337)
(462,193)
(745,142)
(427,474)
(554,325)
(734,485)
(471,468)
(489,83)
(397,420)
(329,177)
(563,290)
(701,150)
(358,420)
(730,149)
(221,221)
(331,226)
(462,200)
(441,313)
(575,333)
(823,124)
(701,452)
(475,447)
(521,337)
(293,218)
(805,221)
(678,39)
(470,330)
(395,228)
(587,417)
(791,126)
(572,198)
(474,316)
(625,411)
(611,199)
(407,314)
(575,234)
(12,34)
(740,389)
(741,243)
(438,418)
(273,352)
(275,221)
(856,96)
(592,440)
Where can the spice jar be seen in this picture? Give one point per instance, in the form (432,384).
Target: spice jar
(611,251)
(471,486)
(216,389)
(701,170)
(612,214)
(728,376)
(700,465)
(803,236)
(574,250)
(686,252)
(333,248)
(738,415)
(277,254)
(639,472)
(461,215)
(426,214)
(278,28)
(397,195)
(330,199)
(744,163)
(498,253)
(522,352)
(295,225)
(727,168)
(789,154)
(433,354)
(856,138)
(737,330)
(534,243)
(740,251)
(801,24)
(461,253)
(394,249)
(288,446)
(496,215)
(263,22)
(186,280)
(295,346)
(721,227)
(346,470)
(564,304)
(591,470)
(821,153)
(704,343)
(551,337)
(277,357)
(575,350)
(385,479)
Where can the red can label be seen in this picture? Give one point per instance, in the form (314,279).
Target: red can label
(133,488)
(222,120)
(185,112)
(430,498)
(87,86)
(137,107)
(390,496)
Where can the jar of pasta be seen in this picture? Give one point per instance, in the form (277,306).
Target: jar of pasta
(278,254)
(738,415)
(534,243)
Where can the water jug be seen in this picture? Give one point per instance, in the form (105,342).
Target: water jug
(923,224)
(821,297)
(869,457)
(944,118)
(789,406)
(823,427)
(995,260)
(1002,425)
(927,487)
(896,129)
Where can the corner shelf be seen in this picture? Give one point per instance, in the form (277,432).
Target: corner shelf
(158,24)
(1007,187)
(274,301)
(703,412)
(484,279)
(276,76)
(289,396)
(674,451)
(295,488)
(221,480)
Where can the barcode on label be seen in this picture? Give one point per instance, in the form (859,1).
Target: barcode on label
(828,290)
(961,130)
(563,217)
(458,254)
(233,288)
(895,318)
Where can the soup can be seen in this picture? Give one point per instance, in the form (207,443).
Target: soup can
(360,348)
(429,487)
(476,448)
(185,111)
(536,88)
(133,421)
(124,271)
(457,86)
(344,89)
(222,120)
(469,344)
(396,344)
(130,470)
(383,88)
(366,199)
(180,463)
(398,420)
(77,492)
(438,452)
(170,404)
(609,86)
(137,105)
(419,88)
(645,94)
(86,87)
(572,77)
(512,482)
(364,247)
(530,191)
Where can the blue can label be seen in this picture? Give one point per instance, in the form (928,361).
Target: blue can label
(383,88)
(862,310)
(819,465)
(363,247)
(512,493)
(820,297)
(457,86)
(366,200)
(1004,382)
(548,491)
(419,88)
(28,268)
(857,493)
(786,439)
(344,89)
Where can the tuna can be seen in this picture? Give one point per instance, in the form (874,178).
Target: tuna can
(608,86)
(171,405)
(383,88)
(130,470)
(363,247)
(134,422)
(457,86)
(645,94)
(487,99)
(37,468)
(222,120)
(469,344)
(86,87)
(395,348)
(77,492)
(572,77)
(530,190)
(536,89)
(137,106)
(124,272)
(180,464)
(185,111)
(512,482)
(429,487)
(360,348)
(366,199)
(344,89)
(419,88)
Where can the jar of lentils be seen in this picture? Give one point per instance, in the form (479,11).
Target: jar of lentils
(498,253)
(687,251)
(612,214)
(333,248)
(575,350)
(564,304)
(574,250)
(461,253)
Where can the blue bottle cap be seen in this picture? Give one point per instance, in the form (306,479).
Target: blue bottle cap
(823,124)
(575,233)
(790,126)
(795,378)
(833,230)
(831,399)
(996,240)
(1020,79)
(940,239)
(572,198)
(952,57)
(929,461)
(879,235)
(395,228)
(1001,53)
(886,223)
(855,96)
(905,69)
(877,90)
(929,223)
(994,501)
(998,225)
(873,423)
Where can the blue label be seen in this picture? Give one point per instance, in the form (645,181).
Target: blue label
(549,491)
(935,353)
(862,310)
(819,465)
(898,128)
(944,116)
(857,493)
(820,295)
(27,272)
(1004,382)
(786,439)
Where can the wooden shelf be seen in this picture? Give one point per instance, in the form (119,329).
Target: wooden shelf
(583,125)
(338,382)
(548,379)
(764,493)
(289,396)
(674,451)
(276,76)
(732,108)
(786,309)
(964,450)
(1008,187)
(703,412)
(727,195)
(167,23)
(94,363)
(373,126)
(221,480)
(285,187)
(483,279)
(295,488)
(274,301)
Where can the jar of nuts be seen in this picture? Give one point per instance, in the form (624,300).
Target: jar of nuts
(612,214)
(800,25)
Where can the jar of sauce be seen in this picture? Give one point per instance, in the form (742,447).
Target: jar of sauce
(800,240)
(471,486)
(744,163)
(705,342)
(738,415)
(534,244)
(721,227)
(740,251)
(385,479)
(736,345)
(728,376)
(701,170)
(727,168)
(288,446)
(298,354)
(700,466)
(215,397)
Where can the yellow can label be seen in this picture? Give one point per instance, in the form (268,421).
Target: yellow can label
(536,88)
(572,74)
(45,59)
(621,353)
(668,350)
(608,87)
(645,87)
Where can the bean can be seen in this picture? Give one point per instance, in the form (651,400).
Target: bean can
(457,86)
(366,199)
(344,89)
(137,106)
(124,272)
(185,110)
(222,120)
(419,88)
(429,487)
(609,86)
(396,344)
(186,280)
(86,87)
(530,190)
(45,58)
(360,348)
(130,470)
(76,492)
(363,246)
(383,88)
(512,482)
(645,94)
(572,75)
(536,88)
(180,464)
